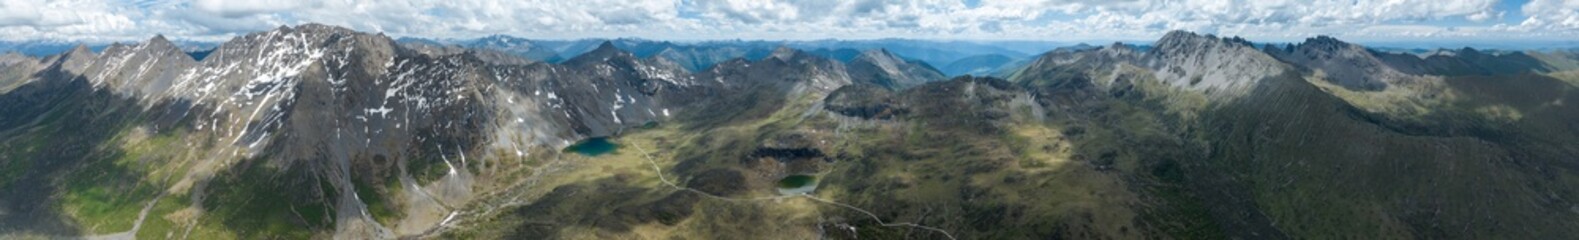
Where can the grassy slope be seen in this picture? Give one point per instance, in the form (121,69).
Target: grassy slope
(100,183)
(256,199)
(1122,156)
(1321,168)
(953,176)
(105,164)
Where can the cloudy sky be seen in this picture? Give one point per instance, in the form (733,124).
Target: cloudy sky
(1051,20)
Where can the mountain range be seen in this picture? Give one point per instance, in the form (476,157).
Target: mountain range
(964,56)
(317,131)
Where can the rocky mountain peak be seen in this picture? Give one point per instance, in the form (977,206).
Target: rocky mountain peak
(883,68)
(1115,49)
(1469,52)
(603,53)
(606,46)
(143,69)
(261,39)
(1178,36)
(74,61)
(1184,40)
(9,58)
(785,53)
(1325,40)
(311,34)
(159,44)
(1326,46)
(881,51)
(159,39)
(879,54)
(325,29)
(1343,63)
(79,51)
(1195,61)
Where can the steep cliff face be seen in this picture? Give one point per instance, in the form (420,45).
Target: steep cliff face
(882,68)
(142,69)
(348,114)
(1228,65)
(1348,65)
(14,70)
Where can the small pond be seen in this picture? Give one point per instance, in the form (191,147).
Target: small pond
(593,147)
(797,184)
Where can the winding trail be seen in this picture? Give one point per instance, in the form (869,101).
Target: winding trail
(661,177)
(136,225)
(879,220)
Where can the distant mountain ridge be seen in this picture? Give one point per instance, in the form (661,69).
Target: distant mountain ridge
(700,55)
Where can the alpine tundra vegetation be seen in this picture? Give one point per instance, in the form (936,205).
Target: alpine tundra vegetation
(318,131)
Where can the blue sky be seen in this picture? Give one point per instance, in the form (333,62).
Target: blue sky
(1047,20)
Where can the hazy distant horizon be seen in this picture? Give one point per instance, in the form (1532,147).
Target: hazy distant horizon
(1427,44)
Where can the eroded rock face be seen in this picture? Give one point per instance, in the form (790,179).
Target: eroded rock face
(882,68)
(789,153)
(1348,65)
(1231,66)
(864,101)
(346,114)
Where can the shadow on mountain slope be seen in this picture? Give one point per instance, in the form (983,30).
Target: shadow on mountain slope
(63,173)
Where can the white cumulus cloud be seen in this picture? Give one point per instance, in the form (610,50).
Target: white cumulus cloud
(1551,15)
(245,8)
(795,19)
